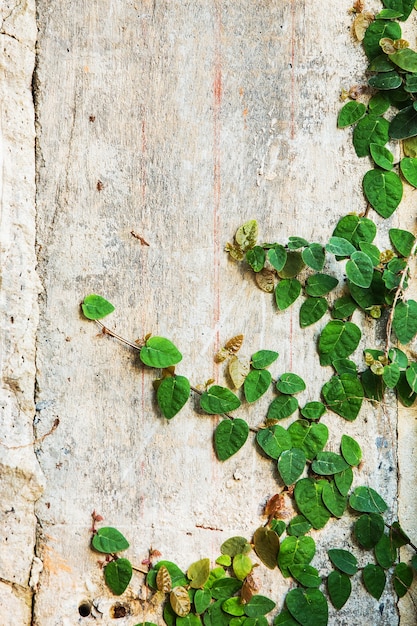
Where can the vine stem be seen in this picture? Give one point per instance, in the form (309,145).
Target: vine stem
(398,294)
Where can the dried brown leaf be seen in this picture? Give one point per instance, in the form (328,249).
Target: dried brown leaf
(163,580)
(238,370)
(265,280)
(234,344)
(180,601)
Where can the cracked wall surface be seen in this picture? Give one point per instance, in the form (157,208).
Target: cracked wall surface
(177,122)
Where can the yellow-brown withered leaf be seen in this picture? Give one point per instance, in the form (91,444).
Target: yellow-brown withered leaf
(265,280)
(238,370)
(163,580)
(247,235)
(198,573)
(221,355)
(234,344)
(180,601)
(360,24)
(249,588)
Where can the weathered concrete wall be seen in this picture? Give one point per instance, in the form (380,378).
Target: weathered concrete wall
(179,121)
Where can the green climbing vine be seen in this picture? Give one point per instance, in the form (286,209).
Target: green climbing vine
(374,285)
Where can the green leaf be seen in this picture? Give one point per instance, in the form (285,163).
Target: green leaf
(289,383)
(294,551)
(345,561)
(312,310)
(218,400)
(159,352)
(95,307)
(374,295)
(225,587)
(386,80)
(233,546)
(278,526)
(382,156)
(263,359)
(355,229)
(291,464)
(172,393)
(404,124)
(333,499)
(339,588)
(117,575)
(345,366)
(360,269)
(405,393)
(369,529)
(372,251)
(314,256)
(233,606)
(373,385)
(403,577)
(202,600)
(282,407)
(404,7)
(320,284)
(274,440)
(109,540)
(259,605)
(266,546)
(255,257)
(391,375)
(215,616)
(284,619)
(398,356)
(242,566)
(344,395)
(374,580)
(410,83)
(313,410)
(411,376)
(367,500)
(298,526)
(343,481)
(287,292)
(408,167)
(379,104)
(398,538)
(376,31)
(340,246)
(293,265)
(350,113)
(306,575)
(385,552)
(402,240)
(338,340)
(229,437)
(198,573)
(188,620)
(309,437)
(383,190)
(328,463)
(294,243)
(307,495)
(277,256)
(308,606)
(370,129)
(256,384)
(351,450)
(405,320)
(343,308)
(405,58)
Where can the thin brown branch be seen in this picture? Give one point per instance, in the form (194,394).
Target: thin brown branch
(34,442)
(108,331)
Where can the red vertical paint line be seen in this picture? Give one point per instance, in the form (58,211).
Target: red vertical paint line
(293,34)
(144,384)
(217,98)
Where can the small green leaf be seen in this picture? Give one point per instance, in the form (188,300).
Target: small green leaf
(289,383)
(385,552)
(369,129)
(403,577)
(306,575)
(328,463)
(398,538)
(410,83)
(298,526)
(374,580)
(308,496)
(235,545)
(266,545)
(360,269)
(339,588)
(287,292)
(117,575)
(398,356)
(295,551)
(350,113)
(391,375)
(351,450)
(256,384)
(338,340)
(408,167)
(379,104)
(402,8)
(263,359)
(225,587)
(312,310)
(172,394)
(372,251)
(255,257)
(233,606)
(406,395)
(313,410)
(376,31)
(242,566)
(314,256)
(291,464)
(367,500)
(229,437)
(188,620)
(309,437)
(344,395)
(294,243)
(355,229)
(345,561)
(218,400)
(95,307)
(282,407)
(343,308)
(333,499)
(345,366)
(369,529)
(405,320)
(198,573)
(340,246)
(159,352)
(405,58)
(259,605)
(382,156)
(284,619)
(293,265)
(274,440)
(411,376)
(402,240)
(404,124)
(109,540)
(277,256)
(385,81)
(383,190)
(343,481)
(308,606)
(320,284)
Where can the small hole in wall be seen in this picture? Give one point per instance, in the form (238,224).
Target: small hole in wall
(84,609)
(119,610)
